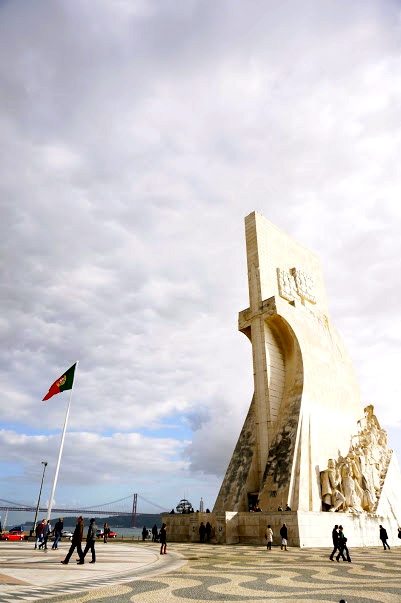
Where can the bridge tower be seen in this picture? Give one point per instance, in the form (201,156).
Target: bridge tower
(134,510)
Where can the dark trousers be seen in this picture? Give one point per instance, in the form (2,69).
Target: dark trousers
(74,545)
(163,545)
(385,544)
(341,550)
(56,541)
(269,546)
(334,551)
(90,546)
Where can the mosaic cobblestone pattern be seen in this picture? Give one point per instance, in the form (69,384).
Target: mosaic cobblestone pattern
(249,574)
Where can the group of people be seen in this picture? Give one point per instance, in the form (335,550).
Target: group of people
(76,542)
(157,537)
(340,542)
(155,533)
(338,536)
(257,509)
(280,508)
(42,533)
(205,531)
(283,536)
(43,530)
(340,545)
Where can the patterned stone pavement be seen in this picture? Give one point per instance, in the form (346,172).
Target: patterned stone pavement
(249,574)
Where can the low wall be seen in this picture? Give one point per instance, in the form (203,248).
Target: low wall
(305,529)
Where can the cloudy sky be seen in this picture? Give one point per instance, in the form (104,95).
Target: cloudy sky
(136,136)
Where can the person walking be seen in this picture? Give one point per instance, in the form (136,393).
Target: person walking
(208,531)
(383,537)
(284,537)
(342,546)
(76,541)
(202,532)
(144,533)
(90,542)
(163,539)
(154,533)
(46,533)
(39,534)
(106,532)
(269,537)
(58,529)
(335,537)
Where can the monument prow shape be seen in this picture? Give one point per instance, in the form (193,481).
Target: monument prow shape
(307,441)
(306,407)
(306,401)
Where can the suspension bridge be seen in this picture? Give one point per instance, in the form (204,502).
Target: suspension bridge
(123,506)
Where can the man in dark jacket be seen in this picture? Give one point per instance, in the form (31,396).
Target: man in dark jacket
(342,546)
(155,533)
(76,541)
(334,536)
(284,537)
(58,530)
(202,532)
(208,530)
(90,542)
(383,537)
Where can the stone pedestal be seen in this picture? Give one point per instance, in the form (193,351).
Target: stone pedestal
(306,529)
(307,440)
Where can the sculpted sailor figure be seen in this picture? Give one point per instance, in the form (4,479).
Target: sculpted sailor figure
(330,479)
(352,501)
(368,491)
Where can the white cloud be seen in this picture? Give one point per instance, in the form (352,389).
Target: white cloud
(136,138)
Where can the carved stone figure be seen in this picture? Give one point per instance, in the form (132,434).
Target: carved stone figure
(352,500)
(358,478)
(329,478)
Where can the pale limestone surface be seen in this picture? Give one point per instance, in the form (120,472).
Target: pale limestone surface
(306,436)
(306,400)
(305,528)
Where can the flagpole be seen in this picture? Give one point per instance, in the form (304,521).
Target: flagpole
(49,508)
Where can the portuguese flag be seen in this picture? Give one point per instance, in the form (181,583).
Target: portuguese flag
(64,382)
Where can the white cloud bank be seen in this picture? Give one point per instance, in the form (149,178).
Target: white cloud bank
(136,136)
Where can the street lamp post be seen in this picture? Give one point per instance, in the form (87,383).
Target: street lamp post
(44,463)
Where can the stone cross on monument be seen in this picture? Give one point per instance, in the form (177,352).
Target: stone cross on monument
(306,403)
(308,454)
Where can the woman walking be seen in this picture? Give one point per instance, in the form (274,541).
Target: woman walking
(269,537)
(163,539)
(106,532)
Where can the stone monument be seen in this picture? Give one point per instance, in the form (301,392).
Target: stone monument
(308,444)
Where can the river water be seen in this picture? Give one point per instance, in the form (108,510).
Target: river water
(131,533)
